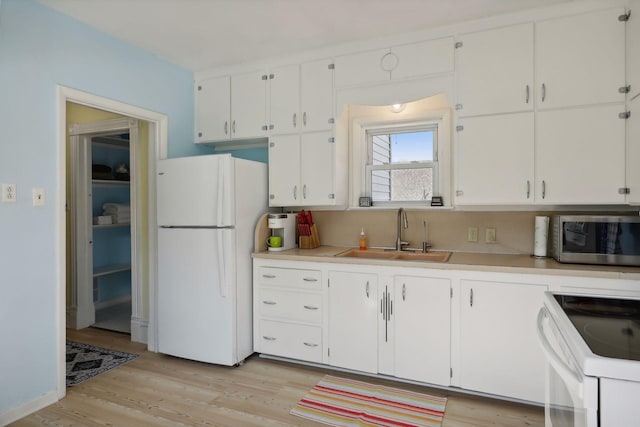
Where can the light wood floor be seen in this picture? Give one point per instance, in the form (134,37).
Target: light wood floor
(159,390)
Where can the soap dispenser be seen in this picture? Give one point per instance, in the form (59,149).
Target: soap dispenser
(363,240)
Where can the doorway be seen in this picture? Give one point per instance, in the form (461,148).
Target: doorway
(143,294)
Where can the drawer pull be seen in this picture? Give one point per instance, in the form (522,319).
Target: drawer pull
(269,302)
(310,344)
(269,338)
(269,276)
(309,279)
(310,307)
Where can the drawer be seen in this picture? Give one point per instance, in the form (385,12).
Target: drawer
(290,305)
(290,277)
(290,340)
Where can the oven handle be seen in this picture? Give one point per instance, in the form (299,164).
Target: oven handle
(559,365)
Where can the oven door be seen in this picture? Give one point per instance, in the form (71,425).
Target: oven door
(571,399)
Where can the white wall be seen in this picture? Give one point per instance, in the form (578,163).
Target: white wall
(39,49)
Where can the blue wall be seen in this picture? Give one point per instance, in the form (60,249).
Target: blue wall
(39,49)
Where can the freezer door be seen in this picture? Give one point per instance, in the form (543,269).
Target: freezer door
(196,294)
(196,191)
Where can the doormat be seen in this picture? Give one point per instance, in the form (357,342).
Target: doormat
(85,361)
(341,402)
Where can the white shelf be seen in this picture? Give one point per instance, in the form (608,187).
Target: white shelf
(109,269)
(121,224)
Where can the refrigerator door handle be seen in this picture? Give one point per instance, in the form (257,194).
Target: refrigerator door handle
(221,171)
(221,272)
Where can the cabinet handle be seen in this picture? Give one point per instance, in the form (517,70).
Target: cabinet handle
(404,292)
(309,279)
(295,119)
(269,338)
(226,127)
(269,302)
(310,307)
(528,188)
(199,134)
(233,126)
(527,95)
(367,289)
(295,192)
(471,298)
(310,344)
(544,189)
(544,92)
(304,191)
(269,276)
(304,118)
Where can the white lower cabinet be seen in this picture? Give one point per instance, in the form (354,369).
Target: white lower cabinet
(422,329)
(498,348)
(353,319)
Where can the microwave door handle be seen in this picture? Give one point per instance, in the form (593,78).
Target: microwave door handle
(564,370)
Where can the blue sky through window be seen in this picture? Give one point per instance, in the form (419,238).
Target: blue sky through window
(411,147)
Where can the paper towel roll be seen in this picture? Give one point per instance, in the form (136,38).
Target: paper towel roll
(540,236)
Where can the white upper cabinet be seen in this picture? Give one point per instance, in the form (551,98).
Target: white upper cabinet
(580,156)
(633,48)
(248,105)
(284,170)
(633,152)
(399,62)
(580,60)
(212,110)
(284,99)
(317,163)
(495,71)
(495,159)
(316,95)
(230,107)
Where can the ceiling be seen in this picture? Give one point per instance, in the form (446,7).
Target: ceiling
(202,34)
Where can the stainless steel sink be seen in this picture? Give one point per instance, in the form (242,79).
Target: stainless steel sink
(436,256)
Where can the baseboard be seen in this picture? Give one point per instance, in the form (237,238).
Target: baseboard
(139,330)
(28,408)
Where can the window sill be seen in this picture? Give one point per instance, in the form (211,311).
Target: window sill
(395,207)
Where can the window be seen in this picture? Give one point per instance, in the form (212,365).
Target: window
(402,164)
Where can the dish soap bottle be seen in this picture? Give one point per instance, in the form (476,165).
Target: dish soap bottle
(363,240)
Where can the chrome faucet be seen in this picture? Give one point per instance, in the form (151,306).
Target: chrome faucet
(402,221)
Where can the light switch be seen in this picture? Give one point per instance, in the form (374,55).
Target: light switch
(472,234)
(9,193)
(490,235)
(38,196)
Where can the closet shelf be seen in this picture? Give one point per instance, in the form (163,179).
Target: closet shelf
(120,224)
(110,183)
(109,269)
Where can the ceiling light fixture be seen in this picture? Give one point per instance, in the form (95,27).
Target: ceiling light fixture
(396,108)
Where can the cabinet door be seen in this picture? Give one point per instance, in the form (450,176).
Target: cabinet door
(361,68)
(284,100)
(422,329)
(353,316)
(499,350)
(213,101)
(495,160)
(633,152)
(284,171)
(248,105)
(317,163)
(316,88)
(580,156)
(580,60)
(495,71)
(633,48)
(423,58)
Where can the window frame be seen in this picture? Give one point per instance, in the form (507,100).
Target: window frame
(372,131)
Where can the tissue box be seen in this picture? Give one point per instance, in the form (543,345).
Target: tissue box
(103,220)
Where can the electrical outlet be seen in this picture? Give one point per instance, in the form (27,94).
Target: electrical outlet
(9,193)
(38,196)
(490,235)
(472,234)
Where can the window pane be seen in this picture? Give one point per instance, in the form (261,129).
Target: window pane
(411,184)
(411,147)
(381,186)
(381,149)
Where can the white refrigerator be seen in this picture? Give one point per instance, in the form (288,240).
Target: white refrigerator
(208,207)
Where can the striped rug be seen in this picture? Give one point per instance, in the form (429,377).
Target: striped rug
(341,402)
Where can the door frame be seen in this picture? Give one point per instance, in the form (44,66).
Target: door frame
(158,135)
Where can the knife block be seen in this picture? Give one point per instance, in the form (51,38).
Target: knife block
(310,242)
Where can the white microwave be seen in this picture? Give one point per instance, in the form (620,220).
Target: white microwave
(596,239)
